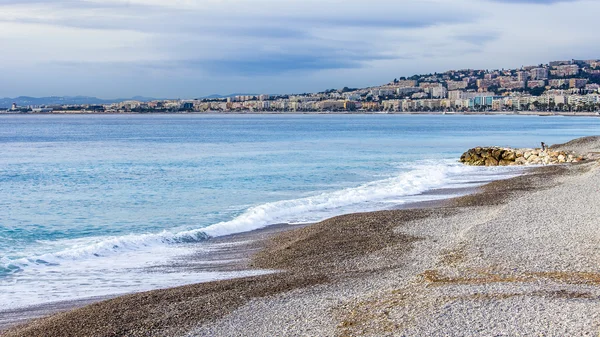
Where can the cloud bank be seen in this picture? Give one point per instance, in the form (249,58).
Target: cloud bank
(191,48)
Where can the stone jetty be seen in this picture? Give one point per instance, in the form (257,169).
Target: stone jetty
(503,156)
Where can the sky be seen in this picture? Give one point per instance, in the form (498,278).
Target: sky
(194,48)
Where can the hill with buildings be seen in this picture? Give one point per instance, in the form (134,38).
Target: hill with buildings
(559,86)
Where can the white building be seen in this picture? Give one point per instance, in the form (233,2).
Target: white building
(439,92)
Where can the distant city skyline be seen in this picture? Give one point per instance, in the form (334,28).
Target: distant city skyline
(189,49)
(557,87)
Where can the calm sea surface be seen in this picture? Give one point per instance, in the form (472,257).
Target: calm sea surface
(87,203)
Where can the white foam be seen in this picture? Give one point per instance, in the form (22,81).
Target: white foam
(58,284)
(421,178)
(100,266)
(379,194)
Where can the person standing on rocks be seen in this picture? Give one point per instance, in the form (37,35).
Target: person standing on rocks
(544,146)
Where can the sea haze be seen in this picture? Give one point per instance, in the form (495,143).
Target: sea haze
(88,203)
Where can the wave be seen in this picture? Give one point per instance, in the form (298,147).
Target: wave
(328,204)
(420,178)
(369,196)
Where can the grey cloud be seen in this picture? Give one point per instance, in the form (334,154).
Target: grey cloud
(537,2)
(275,64)
(68,3)
(478,39)
(249,64)
(155,19)
(20,2)
(391,22)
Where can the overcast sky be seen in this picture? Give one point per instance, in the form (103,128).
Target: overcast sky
(193,48)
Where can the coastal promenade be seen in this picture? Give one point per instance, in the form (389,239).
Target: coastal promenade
(519,257)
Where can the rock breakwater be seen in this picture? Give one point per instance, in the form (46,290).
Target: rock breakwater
(502,156)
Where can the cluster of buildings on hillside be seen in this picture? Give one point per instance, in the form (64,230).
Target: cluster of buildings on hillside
(572,85)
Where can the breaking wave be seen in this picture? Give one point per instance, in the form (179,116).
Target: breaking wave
(369,196)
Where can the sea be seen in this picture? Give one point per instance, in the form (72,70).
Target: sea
(90,203)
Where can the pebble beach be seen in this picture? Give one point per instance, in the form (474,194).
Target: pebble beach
(518,257)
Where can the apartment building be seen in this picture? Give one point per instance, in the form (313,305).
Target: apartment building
(536,84)
(456,85)
(566,70)
(577,83)
(539,73)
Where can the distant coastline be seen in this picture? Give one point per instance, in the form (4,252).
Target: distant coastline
(562,87)
(462,113)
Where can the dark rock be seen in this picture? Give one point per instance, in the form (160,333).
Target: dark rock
(491,162)
(509,155)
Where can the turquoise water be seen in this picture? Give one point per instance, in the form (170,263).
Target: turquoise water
(86,201)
